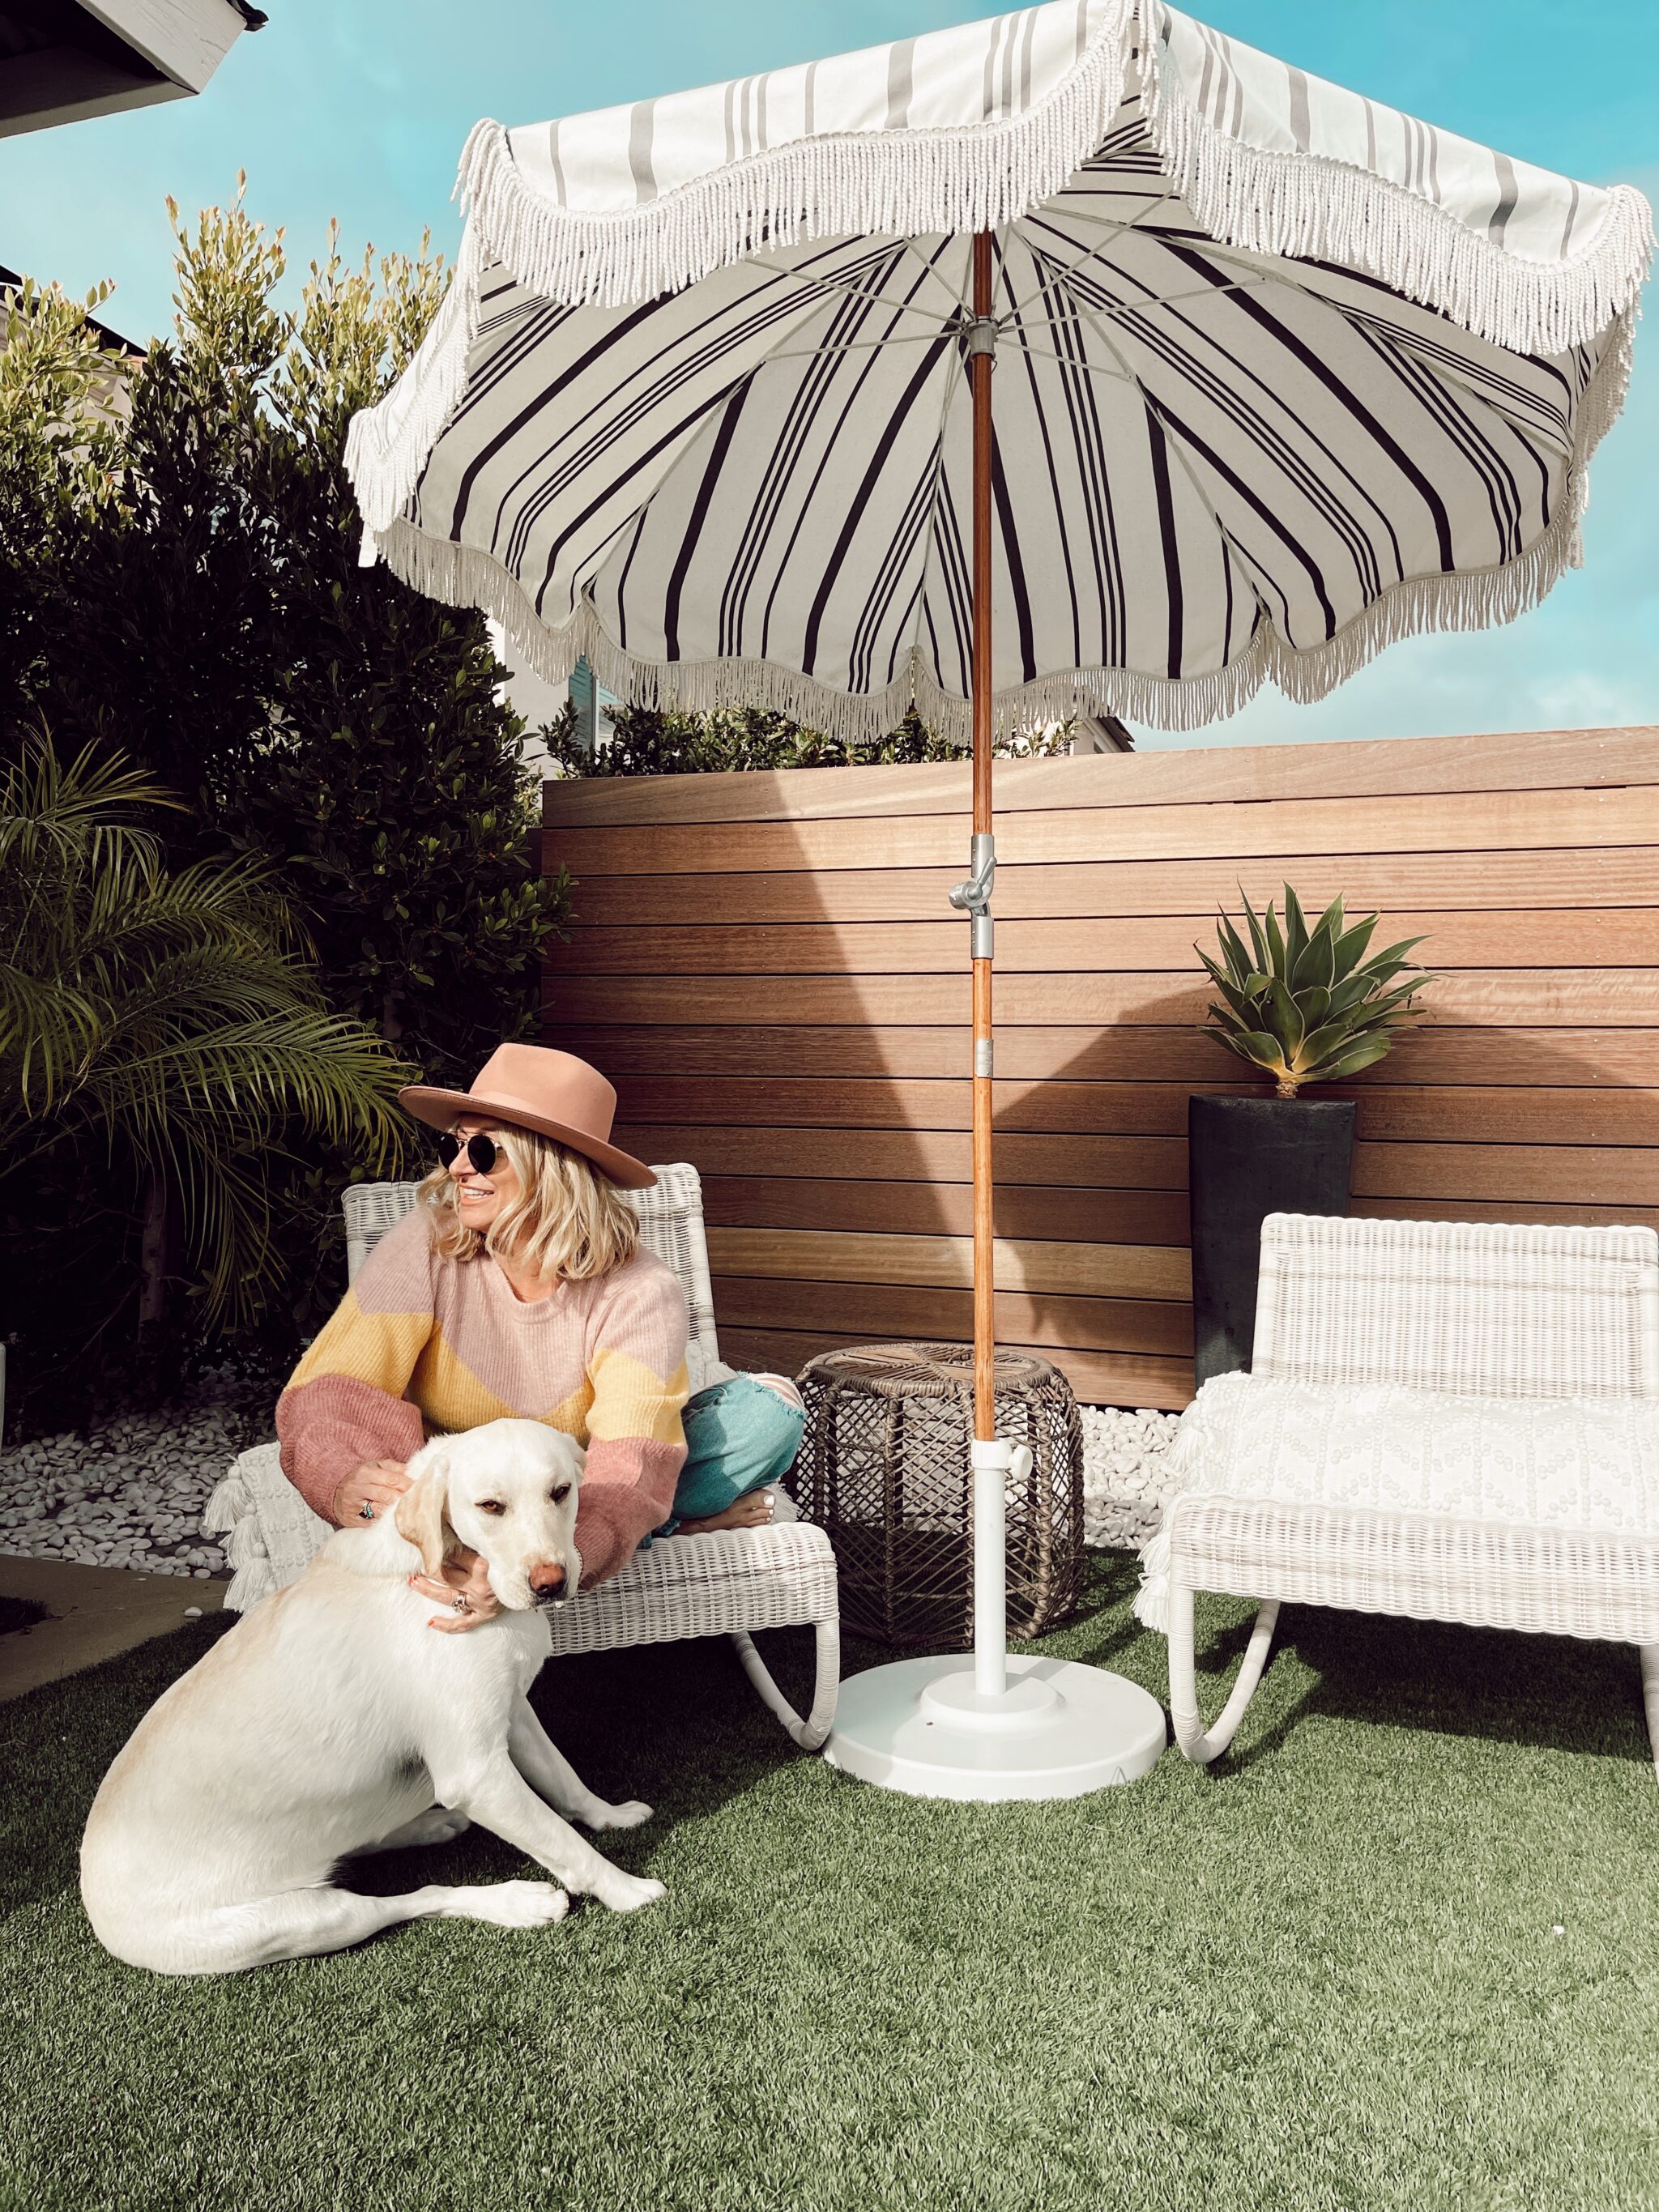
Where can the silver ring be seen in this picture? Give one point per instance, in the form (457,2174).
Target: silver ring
(460,1604)
(365,1512)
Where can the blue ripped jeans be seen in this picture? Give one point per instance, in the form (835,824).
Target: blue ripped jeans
(740,1436)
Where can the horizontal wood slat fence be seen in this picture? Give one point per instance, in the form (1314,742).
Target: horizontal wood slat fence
(764,966)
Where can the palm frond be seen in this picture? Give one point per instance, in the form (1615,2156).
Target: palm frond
(171,1013)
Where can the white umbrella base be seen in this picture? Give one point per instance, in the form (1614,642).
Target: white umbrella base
(919,1726)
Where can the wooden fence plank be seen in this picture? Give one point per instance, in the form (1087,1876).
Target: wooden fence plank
(1615,876)
(1103,1217)
(1594,1058)
(1478,822)
(1100,1378)
(1547,998)
(1547,759)
(1599,1176)
(914,1155)
(927,1209)
(1623,937)
(1093,1271)
(1468,1114)
(1085,1324)
(1589,1175)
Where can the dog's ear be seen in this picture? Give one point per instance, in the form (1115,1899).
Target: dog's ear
(419,1515)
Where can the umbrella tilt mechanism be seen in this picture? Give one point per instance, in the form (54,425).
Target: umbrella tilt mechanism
(973,897)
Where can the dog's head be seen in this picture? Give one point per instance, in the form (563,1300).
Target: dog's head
(509,1490)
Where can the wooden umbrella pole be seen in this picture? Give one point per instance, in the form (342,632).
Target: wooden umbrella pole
(980,364)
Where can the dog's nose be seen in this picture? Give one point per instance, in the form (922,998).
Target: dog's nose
(547,1576)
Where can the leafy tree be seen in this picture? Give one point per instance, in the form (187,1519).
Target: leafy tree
(215,624)
(179,587)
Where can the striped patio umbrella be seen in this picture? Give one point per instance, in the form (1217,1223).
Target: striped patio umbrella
(1281,376)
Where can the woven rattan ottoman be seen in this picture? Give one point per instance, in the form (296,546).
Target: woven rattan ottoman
(884,1471)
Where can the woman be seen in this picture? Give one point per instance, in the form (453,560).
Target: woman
(518,1286)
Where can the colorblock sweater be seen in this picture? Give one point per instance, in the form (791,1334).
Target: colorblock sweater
(421,1345)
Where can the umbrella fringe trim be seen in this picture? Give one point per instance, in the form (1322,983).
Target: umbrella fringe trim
(903,183)
(1305,206)
(1483,598)
(1311,207)
(388,446)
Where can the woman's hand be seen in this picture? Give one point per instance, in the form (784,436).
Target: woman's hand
(752,1511)
(463,1579)
(369,1492)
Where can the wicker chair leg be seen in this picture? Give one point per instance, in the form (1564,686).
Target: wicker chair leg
(814,1730)
(1650,1696)
(1197,1743)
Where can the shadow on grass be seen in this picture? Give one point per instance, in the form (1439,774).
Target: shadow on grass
(679,1725)
(1489,1685)
(1495,1686)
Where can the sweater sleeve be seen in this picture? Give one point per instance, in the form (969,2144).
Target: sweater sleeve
(636,1443)
(344,1402)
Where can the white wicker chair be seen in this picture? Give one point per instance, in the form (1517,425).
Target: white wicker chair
(728,1583)
(1518,1314)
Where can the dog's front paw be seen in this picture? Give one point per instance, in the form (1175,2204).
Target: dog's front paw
(519,1904)
(627,1893)
(633,1815)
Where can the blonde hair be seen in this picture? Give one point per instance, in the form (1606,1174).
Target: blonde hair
(569,1220)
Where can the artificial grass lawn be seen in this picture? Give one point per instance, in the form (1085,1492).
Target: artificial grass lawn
(1324,1976)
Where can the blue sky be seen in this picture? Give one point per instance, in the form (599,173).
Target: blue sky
(358,109)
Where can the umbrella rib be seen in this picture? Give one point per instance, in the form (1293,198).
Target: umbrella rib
(1462,379)
(850,345)
(829,285)
(1199,243)
(1066,361)
(1159,300)
(958,299)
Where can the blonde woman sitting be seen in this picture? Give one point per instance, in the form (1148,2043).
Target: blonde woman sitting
(518,1286)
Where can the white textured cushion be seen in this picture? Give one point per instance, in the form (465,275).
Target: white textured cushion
(1584,1464)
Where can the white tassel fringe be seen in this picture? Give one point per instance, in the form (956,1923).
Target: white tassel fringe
(1151,1601)
(1312,208)
(882,184)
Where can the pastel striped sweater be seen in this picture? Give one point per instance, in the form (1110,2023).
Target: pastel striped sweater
(419,1345)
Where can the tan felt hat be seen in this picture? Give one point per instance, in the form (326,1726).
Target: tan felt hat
(534,1087)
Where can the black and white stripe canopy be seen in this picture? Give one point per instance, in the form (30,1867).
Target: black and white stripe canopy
(1280,375)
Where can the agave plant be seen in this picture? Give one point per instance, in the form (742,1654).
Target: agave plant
(167,1018)
(1306,1005)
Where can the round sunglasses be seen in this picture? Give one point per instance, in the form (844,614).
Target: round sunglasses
(482,1152)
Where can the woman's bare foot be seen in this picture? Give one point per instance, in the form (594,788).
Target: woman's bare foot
(752,1511)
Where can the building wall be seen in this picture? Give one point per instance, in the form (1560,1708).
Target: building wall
(767,967)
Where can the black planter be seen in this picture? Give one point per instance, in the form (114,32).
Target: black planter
(1249,1158)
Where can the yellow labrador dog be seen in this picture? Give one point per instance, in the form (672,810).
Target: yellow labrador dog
(333,1720)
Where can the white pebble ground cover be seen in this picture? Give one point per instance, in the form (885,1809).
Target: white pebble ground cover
(130,1493)
(1124,1483)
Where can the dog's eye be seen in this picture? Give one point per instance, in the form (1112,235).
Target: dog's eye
(560,1492)
(491,1505)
